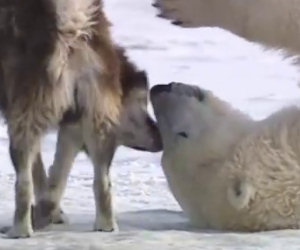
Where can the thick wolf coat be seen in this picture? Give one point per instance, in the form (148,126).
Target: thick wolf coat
(136,130)
(52,54)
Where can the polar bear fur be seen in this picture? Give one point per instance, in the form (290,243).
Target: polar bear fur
(274,23)
(227,171)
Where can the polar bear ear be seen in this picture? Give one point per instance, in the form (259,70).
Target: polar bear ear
(184,13)
(240,193)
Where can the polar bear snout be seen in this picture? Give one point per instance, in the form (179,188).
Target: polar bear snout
(178,109)
(172,101)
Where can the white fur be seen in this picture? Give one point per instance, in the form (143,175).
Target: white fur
(274,23)
(237,174)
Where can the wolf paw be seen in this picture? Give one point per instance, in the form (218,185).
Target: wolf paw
(4,230)
(106,226)
(59,217)
(17,232)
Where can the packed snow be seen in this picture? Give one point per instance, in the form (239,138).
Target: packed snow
(252,79)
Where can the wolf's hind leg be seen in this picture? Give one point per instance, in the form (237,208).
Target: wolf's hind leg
(101,150)
(69,143)
(23,152)
(39,177)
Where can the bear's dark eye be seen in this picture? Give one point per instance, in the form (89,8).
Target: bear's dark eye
(200,95)
(183,134)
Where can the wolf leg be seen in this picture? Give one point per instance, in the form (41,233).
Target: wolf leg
(23,152)
(101,150)
(69,143)
(39,177)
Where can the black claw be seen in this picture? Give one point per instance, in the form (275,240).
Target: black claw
(156,5)
(177,22)
(4,230)
(20,237)
(161,15)
(105,231)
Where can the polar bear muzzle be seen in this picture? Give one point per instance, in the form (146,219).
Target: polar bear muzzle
(177,110)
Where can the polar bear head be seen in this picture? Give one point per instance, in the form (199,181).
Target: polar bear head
(192,121)
(199,133)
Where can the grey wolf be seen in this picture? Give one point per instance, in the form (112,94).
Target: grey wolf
(136,130)
(55,55)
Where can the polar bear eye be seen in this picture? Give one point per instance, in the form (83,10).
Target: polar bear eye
(183,134)
(200,95)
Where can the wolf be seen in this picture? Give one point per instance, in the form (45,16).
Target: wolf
(136,130)
(55,55)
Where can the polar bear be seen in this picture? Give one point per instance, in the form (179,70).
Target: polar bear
(274,23)
(227,171)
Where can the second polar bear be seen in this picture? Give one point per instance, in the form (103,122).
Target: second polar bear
(274,23)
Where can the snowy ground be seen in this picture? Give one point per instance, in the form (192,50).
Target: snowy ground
(256,81)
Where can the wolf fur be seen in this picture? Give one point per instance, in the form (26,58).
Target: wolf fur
(273,23)
(136,130)
(227,171)
(49,50)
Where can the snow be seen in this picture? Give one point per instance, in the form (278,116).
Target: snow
(252,79)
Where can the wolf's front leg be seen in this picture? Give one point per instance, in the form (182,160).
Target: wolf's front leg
(101,150)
